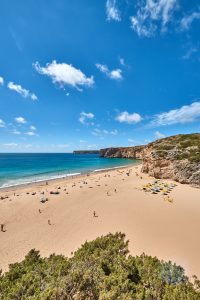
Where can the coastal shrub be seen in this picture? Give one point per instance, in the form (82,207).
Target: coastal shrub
(100,270)
(165,147)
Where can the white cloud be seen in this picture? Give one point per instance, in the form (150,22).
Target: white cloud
(20,90)
(93,146)
(65,74)
(115,74)
(112,74)
(61,146)
(20,120)
(159,135)
(103,132)
(30,133)
(10,145)
(98,132)
(16,132)
(187,21)
(84,117)
(122,61)
(185,114)
(32,128)
(28,145)
(1,80)
(125,117)
(112,12)
(190,52)
(2,123)
(131,141)
(114,132)
(151,15)
(33,97)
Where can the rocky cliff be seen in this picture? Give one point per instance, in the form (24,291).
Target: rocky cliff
(123,152)
(176,157)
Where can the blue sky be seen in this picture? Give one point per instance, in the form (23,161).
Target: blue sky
(88,74)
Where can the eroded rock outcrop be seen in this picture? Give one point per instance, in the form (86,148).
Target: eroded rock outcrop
(176,157)
(123,152)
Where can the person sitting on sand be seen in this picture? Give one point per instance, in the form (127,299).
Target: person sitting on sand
(2,228)
(49,222)
(94,214)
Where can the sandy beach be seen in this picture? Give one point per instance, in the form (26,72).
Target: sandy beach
(168,230)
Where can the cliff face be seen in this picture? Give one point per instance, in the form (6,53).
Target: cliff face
(123,152)
(176,157)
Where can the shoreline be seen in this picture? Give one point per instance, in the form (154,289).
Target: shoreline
(64,177)
(151,224)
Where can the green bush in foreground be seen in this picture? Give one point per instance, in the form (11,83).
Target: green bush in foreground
(101,269)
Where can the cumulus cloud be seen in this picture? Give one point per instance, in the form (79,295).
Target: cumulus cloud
(159,135)
(1,81)
(2,123)
(84,117)
(112,12)
(125,117)
(185,114)
(187,21)
(112,74)
(20,90)
(20,120)
(65,74)
(152,15)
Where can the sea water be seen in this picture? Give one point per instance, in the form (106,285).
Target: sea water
(23,168)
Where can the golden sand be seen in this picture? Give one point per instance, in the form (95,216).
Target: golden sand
(154,225)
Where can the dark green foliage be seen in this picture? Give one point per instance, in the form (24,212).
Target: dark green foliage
(101,269)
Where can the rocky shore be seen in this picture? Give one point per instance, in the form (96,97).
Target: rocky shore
(176,157)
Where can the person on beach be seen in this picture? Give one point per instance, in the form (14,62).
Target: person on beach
(2,228)
(94,214)
(49,222)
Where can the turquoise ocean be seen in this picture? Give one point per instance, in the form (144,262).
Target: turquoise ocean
(17,169)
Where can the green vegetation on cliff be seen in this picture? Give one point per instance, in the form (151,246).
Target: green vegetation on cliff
(101,269)
(183,146)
